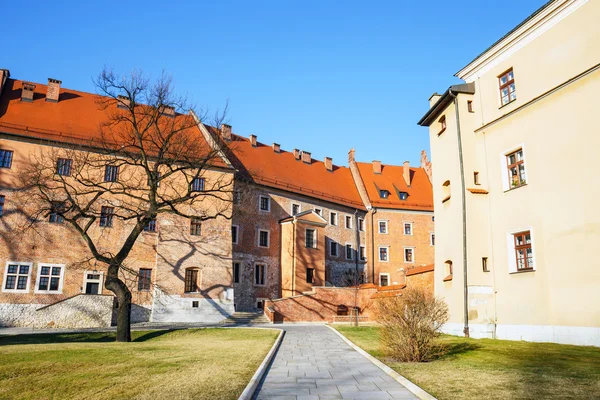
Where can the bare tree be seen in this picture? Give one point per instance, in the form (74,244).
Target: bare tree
(148,158)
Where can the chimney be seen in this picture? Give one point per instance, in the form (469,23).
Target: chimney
(328,163)
(406,173)
(123,101)
(4,75)
(53,92)
(433,99)
(226,132)
(306,158)
(376,167)
(253,140)
(27,92)
(426,164)
(351,156)
(276,148)
(296,154)
(169,111)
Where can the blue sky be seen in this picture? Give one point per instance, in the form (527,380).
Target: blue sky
(322,76)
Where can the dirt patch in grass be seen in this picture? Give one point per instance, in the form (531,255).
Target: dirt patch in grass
(181,364)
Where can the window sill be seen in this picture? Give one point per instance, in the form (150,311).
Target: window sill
(515,188)
(446,199)
(522,271)
(507,104)
(448,278)
(442,131)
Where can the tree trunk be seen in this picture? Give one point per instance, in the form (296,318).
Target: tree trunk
(118,287)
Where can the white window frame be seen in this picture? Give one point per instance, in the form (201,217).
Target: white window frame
(254,274)
(388,276)
(263,299)
(15,290)
(335,216)
(412,232)
(413,254)
(387,248)
(512,261)
(86,280)
(333,244)
(319,211)
(431,238)
(292,208)
(348,226)
(346,251)
(387,231)
(363,248)
(361,224)
(237,234)
(60,283)
(503,165)
(268,238)
(260,197)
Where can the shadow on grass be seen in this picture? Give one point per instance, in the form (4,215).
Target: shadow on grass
(452,350)
(87,337)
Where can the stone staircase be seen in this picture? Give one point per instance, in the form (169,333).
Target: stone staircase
(247,318)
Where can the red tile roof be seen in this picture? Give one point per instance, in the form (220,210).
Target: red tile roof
(420,192)
(75,118)
(420,270)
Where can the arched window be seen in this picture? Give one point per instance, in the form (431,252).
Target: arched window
(446,191)
(448,269)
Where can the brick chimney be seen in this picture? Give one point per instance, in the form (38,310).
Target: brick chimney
(123,101)
(4,75)
(296,154)
(53,92)
(169,111)
(306,158)
(426,164)
(253,140)
(226,132)
(276,148)
(27,92)
(406,173)
(328,163)
(351,156)
(376,167)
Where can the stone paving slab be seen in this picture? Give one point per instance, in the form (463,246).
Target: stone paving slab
(313,363)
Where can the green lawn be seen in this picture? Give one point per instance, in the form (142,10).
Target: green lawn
(179,364)
(496,369)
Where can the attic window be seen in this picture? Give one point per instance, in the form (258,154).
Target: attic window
(384,194)
(403,195)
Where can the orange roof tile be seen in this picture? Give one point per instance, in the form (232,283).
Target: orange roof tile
(420,270)
(478,191)
(420,192)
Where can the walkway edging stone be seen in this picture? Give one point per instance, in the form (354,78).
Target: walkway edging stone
(414,389)
(260,372)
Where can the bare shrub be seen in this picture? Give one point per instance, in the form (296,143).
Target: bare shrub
(410,324)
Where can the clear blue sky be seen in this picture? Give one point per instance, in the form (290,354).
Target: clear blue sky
(319,75)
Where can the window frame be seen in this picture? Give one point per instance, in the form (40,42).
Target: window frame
(62,164)
(412,248)
(237,234)
(476,180)
(264,274)
(485,264)
(411,233)
(514,263)
(443,124)
(195,226)
(312,245)
(142,280)
(507,85)
(194,272)
(346,248)
(111,173)
(333,216)
(54,217)
(268,198)
(292,208)
(521,181)
(319,211)
(239,272)
(5,278)
(268,238)
(312,275)
(108,217)
(61,278)
(386,274)
(362,253)
(151,226)
(361,224)
(86,280)
(334,245)
(348,218)
(198,184)
(6,155)
(387,253)
(386,223)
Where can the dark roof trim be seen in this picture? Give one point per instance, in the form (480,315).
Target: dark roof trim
(444,101)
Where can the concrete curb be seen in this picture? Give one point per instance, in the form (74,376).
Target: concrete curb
(414,389)
(260,372)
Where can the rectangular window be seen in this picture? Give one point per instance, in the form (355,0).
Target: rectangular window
(507,87)
(237,197)
(523,251)
(442,122)
(16,277)
(195,227)
(55,213)
(333,249)
(319,211)
(484,264)
(264,203)
(409,254)
(516,169)
(191,280)
(333,218)
(383,227)
(144,279)
(150,226)
(6,157)
(295,209)
(106,216)
(408,228)
(311,238)
(236,272)
(349,252)
(432,239)
(383,254)
(470,106)
(384,279)
(50,278)
(63,166)
(1,205)
(362,253)
(92,282)
(384,194)
(263,238)
(198,185)
(234,234)
(476,178)
(361,224)
(348,221)
(260,271)
(111,173)
(310,275)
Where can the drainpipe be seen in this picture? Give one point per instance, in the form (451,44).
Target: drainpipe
(373,212)
(356,259)
(464,215)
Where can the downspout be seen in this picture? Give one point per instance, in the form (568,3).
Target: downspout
(373,212)
(464,215)
(357,246)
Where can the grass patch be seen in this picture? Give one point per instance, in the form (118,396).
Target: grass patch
(496,369)
(181,364)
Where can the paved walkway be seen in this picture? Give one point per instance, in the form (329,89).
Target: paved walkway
(314,363)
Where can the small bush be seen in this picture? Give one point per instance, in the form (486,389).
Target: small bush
(410,324)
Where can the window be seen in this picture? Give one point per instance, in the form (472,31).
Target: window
(311,238)
(144,279)
(111,173)
(1,205)
(476,178)
(16,277)
(361,224)
(195,227)
(348,222)
(384,194)
(263,238)
(234,234)
(383,227)
(191,280)
(6,157)
(470,106)
(264,203)
(507,87)
(484,264)
(236,272)
(198,184)
(333,218)
(349,252)
(408,228)
(333,249)
(446,191)
(55,216)
(523,251)
(195,304)
(310,275)
(442,122)
(383,253)
(237,197)
(260,303)
(106,216)
(384,279)
(403,195)
(150,226)
(432,239)
(92,282)
(50,278)
(409,254)
(319,211)
(63,166)
(516,169)
(295,209)
(362,253)
(448,265)
(260,271)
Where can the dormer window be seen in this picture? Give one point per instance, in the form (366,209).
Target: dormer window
(384,194)
(403,195)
